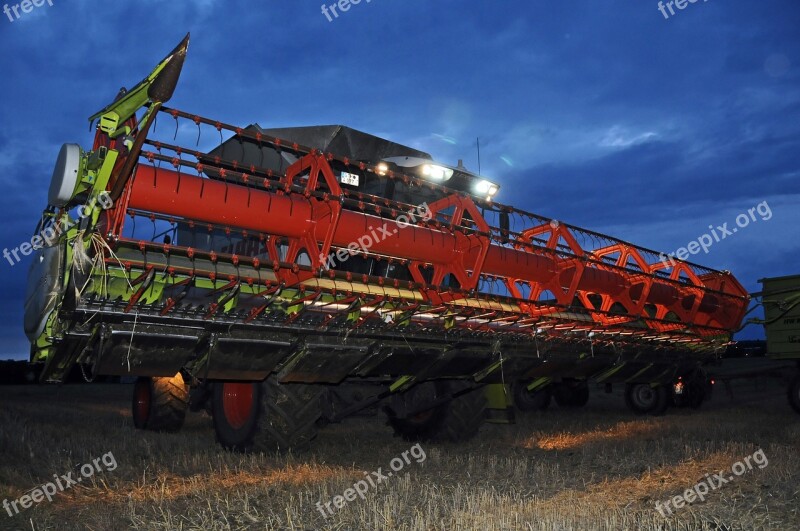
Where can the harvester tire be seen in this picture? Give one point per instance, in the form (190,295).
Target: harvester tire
(644,399)
(265,416)
(160,403)
(290,415)
(465,416)
(457,420)
(424,425)
(537,400)
(794,393)
(664,400)
(571,394)
(697,394)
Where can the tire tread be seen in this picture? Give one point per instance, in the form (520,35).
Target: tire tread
(169,402)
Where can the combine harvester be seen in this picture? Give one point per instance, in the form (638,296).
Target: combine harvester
(296,276)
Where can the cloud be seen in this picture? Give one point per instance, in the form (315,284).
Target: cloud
(618,136)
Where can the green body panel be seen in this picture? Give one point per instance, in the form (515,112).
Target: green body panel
(498,396)
(94,173)
(539,383)
(500,404)
(781,299)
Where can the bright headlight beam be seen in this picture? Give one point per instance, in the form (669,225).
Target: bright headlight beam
(484,187)
(436,172)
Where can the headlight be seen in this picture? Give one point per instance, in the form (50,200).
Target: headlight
(440,173)
(382,168)
(485,188)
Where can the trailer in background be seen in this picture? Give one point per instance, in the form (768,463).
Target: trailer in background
(781,299)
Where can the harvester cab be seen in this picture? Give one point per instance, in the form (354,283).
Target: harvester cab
(367,171)
(361,148)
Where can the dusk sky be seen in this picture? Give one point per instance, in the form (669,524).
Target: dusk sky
(609,115)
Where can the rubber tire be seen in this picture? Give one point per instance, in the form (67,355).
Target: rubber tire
(697,394)
(457,420)
(283,417)
(660,399)
(664,401)
(423,426)
(235,434)
(794,394)
(525,400)
(465,416)
(160,403)
(571,394)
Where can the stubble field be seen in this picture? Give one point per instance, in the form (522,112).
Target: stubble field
(595,468)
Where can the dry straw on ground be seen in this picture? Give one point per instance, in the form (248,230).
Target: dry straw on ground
(596,468)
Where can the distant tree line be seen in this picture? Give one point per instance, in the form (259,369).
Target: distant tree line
(16,372)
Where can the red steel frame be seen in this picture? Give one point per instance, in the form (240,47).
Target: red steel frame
(305,207)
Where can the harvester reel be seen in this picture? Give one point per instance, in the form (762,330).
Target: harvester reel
(160,403)
(266,416)
(455,420)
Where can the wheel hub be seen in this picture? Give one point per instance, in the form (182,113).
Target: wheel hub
(237,403)
(644,395)
(141,400)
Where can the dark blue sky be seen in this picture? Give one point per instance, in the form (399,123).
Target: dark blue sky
(602,114)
